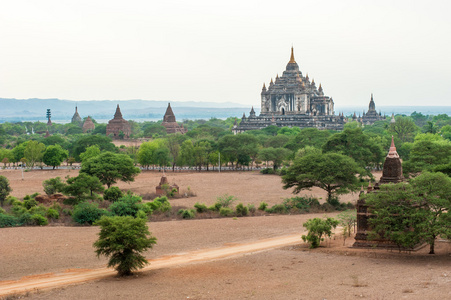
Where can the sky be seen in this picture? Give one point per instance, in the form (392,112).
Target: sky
(223,51)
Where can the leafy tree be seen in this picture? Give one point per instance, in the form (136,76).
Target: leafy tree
(309,137)
(317,228)
(87,213)
(53,185)
(33,152)
(112,194)
(83,142)
(332,172)
(19,151)
(404,128)
(430,127)
(276,155)
(239,148)
(409,214)
(5,189)
(354,143)
(110,167)
(123,239)
(54,155)
(91,151)
(187,153)
(127,205)
(83,184)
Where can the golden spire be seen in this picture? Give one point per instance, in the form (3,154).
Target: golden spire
(277,76)
(271,83)
(313,81)
(292,56)
(306,76)
(264,85)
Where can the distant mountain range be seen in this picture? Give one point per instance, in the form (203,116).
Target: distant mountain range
(13,110)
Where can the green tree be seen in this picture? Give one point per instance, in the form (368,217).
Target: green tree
(317,228)
(123,239)
(276,155)
(91,151)
(308,137)
(187,153)
(110,167)
(83,184)
(332,172)
(34,152)
(5,189)
(83,142)
(357,145)
(54,155)
(409,214)
(404,128)
(53,185)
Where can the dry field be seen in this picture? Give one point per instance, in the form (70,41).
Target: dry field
(294,272)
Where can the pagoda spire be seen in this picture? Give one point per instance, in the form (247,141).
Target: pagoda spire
(292,56)
(118,114)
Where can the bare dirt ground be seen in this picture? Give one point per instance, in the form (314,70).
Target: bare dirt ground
(293,272)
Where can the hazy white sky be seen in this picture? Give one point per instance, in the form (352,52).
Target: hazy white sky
(222,51)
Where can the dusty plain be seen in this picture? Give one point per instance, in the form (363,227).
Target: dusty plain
(293,272)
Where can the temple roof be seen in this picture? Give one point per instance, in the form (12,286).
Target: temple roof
(169,114)
(118,114)
(76,117)
(392,153)
(292,65)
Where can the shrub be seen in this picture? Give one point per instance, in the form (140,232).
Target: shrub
(317,228)
(226,200)
(141,214)
(251,208)
(200,208)
(29,203)
(39,220)
(277,209)
(72,201)
(267,171)
(123,239)
(162,199)
(10,200)
(25,219)
(8,221)
(18,210)
(34,195)
(215,207)
(67,212)
(225,211)
(40,209)
(187,213)
(86,212)
(301,203)
(53,185)
(127,205)
(263,206)
(241,210)
(56,206)
(53,214)
(112,194)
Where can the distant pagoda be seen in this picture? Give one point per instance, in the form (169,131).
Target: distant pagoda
(170,124)
(88,126)
(371,116)
(76,119)
(117,125)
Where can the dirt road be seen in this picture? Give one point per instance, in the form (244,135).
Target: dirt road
(55,280)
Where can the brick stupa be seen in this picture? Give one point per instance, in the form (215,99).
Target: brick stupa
(170,124)
(88,126)
(118,125)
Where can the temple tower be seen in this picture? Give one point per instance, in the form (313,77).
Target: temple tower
(76,119)
(89,125)
(117,125)
(170,123)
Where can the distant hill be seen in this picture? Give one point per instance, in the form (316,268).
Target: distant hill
(14,110)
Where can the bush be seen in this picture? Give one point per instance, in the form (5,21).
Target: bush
(8,221)
(86,212)
(40,209)
(53,185)
(141,214)
(18,210)
(278,209)
(25,219)
(127,205)
(317,228)
(215,207)
(301,203)
(72,201)
(187,213)
(251,208)
(29,203)
(241,210)
(39,220)
(67,212)
(225,211)
(226,200)
(200,208)
(112,194)
(267,171)
(263,206)
(53,214)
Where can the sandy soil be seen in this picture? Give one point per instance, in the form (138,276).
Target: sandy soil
(294,272)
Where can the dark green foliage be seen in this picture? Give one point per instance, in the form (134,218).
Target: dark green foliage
(127,205)
(225,211)
(317,228)
(110,167)
(112,194)
(251,208)
(5,189)
(123,239)
(80,145)
(83,186)
(200,207)
(38,219)
(267,171)
(54,155)
(53,185)
(87,213)
(215,207)
(332,172)
(277,209)
(29,203)
(241,210)
(8,221)
(263,206)
(53,214)
(404,128)
(301,203)
(187,213)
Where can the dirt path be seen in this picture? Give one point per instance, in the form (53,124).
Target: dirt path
(52,280)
